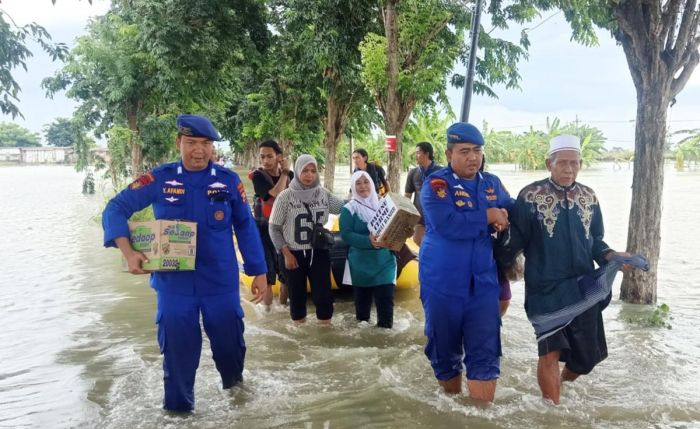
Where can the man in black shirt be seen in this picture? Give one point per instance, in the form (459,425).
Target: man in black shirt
(269,180)
(414,183)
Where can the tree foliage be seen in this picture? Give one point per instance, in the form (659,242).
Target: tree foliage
(528,150)
(14,52)
(427,125)
(195,43)
(114,80)
(65,132)
(660,40)
(408,64)
(13,135)
(321,39)
(60,133)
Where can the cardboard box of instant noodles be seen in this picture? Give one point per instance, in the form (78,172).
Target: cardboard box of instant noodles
(169,245)
(394,220)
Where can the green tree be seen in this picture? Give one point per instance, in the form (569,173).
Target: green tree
(660,40)
(322,39)
(273,102)
(113,80)
(204,52)
(65,132)
(687,150)
(427,125)
(529,150)
(60,133)
(14,53)
(137,68)
(500,145)
(83,145)
(409,63)
(592,140)
(196,44)
(118,138)
(158,135)
(13,135)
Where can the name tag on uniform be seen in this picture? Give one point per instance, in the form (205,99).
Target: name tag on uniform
(173,191)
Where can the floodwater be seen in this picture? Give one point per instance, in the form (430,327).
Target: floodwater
(78,346)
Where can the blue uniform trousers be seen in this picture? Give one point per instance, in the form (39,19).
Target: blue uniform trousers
(180,340)
(463,330)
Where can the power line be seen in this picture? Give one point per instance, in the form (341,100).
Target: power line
(528,30)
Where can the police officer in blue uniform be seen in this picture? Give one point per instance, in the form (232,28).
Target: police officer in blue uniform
(196,190)
(459,283)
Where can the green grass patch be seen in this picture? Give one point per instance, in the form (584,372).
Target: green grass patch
(659,317)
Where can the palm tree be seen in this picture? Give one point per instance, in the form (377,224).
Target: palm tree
(429,126)
(688,149)
(531,150)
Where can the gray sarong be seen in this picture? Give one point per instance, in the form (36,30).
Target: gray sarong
(595,287)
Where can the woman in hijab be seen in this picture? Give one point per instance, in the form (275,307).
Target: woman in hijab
(294,213)
(371,268)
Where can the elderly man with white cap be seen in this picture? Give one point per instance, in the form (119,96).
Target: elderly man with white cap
(557,223)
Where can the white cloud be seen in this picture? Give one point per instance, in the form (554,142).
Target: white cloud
(562,79)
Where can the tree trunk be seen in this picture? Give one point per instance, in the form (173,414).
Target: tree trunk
(135,142)
(330,141)
(337,115)
(248,157)
(395,158)
(643,235)
(661,48)
(287,146)
(351,149)
(393,101)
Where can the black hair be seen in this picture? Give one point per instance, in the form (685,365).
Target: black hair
(483,162)
(426,148)
(362,152)
(272,145)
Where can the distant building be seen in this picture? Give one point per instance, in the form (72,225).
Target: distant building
(100,152)
(38,155)
(10,154)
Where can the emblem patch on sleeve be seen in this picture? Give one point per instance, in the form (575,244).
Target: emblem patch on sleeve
(241,190)
(439,186)
(143,180)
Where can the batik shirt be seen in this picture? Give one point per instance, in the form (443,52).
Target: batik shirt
(560,230)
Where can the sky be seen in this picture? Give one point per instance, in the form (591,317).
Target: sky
(560,79)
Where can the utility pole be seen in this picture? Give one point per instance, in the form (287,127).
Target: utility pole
(469,79)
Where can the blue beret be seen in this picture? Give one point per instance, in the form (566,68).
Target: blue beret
(196,126)
(462,132)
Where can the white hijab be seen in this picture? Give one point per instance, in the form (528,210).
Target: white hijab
(364,207)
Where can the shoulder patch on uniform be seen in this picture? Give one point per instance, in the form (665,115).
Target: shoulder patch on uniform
(241,190)
(143,180)
(439,186)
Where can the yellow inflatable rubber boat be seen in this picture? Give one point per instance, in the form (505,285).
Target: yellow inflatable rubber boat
(407,265)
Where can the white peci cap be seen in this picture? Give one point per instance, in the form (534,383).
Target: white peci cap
(564,142)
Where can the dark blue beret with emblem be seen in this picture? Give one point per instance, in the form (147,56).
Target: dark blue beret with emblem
(462,132)
(197,126)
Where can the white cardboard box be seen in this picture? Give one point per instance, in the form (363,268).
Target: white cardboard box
(394,220)
(169,245)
